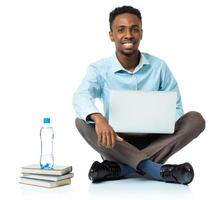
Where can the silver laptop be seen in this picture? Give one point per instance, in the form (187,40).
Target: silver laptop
(142,112)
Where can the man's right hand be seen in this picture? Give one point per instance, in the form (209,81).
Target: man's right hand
(105,134)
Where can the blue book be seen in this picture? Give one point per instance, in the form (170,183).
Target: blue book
(48,177)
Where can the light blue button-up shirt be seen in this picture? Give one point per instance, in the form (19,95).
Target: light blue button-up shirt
(151,74)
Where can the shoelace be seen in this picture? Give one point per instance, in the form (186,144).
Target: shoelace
(169,176)
(113,169)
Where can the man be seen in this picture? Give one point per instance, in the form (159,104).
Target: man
(130,69)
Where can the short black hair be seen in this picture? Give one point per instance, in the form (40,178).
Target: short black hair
(121,10)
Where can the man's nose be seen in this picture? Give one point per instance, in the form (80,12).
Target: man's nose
(128,33)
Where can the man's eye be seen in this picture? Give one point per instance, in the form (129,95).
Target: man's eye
(135,30)
(120,30)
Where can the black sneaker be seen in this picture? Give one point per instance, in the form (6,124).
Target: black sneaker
(182,174)
(107,170)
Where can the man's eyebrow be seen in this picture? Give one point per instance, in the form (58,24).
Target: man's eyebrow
(134,25)
(120,26)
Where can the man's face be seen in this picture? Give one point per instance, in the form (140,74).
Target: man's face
(126,33)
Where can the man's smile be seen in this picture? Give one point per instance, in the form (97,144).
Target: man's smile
(128,44)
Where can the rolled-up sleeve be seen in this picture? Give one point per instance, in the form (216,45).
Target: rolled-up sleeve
(168,83)
(87,92)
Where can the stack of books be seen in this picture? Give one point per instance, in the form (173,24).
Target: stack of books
(49,178)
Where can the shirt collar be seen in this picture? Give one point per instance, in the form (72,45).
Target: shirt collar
(117,67)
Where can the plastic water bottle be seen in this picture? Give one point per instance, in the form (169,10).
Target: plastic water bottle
(46,136)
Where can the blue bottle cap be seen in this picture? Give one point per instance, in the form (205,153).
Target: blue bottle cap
(46,120)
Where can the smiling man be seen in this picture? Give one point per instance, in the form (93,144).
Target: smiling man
(130,69)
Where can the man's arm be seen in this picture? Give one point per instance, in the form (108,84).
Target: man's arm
(84,97)
(84,105)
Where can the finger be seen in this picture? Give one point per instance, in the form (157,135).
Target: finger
(109,140)
(99,139)
(118,138)
(113,140)
(104,139)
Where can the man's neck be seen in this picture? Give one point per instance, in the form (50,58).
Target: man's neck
(129,62)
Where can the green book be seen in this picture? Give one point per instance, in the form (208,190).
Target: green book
(36,169)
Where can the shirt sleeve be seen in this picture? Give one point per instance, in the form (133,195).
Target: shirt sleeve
(168,83)
(84,97)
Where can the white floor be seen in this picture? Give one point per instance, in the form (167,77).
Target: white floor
(130,189)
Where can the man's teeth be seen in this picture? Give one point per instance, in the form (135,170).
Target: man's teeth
(128,44)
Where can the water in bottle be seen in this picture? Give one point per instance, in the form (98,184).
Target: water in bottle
(46,136)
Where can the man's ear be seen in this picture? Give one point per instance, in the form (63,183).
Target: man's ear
(111,36)
(141,34)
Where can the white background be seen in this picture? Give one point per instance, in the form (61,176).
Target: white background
(45,48)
